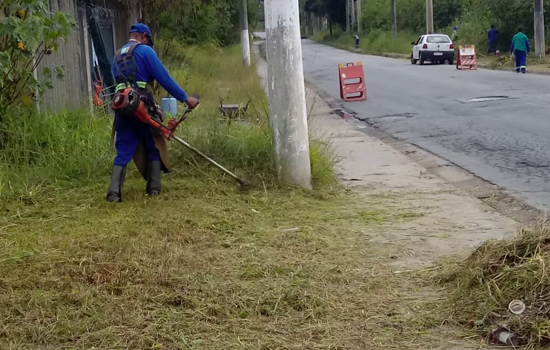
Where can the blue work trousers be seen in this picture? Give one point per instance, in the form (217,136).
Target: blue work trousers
(492,47)
(521,60)
(129,132)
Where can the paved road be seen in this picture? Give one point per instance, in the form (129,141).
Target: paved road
(506,142)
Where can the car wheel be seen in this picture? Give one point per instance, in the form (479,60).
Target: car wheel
(413,61)
(421,59)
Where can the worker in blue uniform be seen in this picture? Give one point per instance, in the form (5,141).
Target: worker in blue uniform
(136,64)
(492,35)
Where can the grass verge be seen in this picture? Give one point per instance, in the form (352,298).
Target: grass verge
(504,62)
(376,42)
(497,273)
(41,153)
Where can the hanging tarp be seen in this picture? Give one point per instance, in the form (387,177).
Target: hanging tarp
(100,25)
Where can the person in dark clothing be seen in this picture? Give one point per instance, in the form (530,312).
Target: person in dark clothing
(492,36)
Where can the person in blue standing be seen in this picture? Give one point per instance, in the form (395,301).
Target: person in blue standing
(520,48)
(137,65)
(492,37)
(454,35)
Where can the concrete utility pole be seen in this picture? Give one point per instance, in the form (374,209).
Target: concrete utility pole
(347,16)
(540,49)
(429,17)
(287,97)
(393,20)
(245,37)
(359,12)
(310,23)
(352,15)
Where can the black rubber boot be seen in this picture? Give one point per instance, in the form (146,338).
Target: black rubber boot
(153,178)
(114,193)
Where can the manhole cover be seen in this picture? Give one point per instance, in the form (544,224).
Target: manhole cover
(486,98)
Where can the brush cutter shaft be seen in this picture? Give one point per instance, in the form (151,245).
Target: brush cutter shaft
(130,102)
(212,161)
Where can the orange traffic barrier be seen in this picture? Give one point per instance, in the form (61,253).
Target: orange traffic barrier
(352,82)
(466,57)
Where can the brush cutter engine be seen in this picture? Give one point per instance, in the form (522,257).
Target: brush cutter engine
(128,103)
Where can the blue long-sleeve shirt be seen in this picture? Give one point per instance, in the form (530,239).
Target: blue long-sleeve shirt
(492,35)
(150,68)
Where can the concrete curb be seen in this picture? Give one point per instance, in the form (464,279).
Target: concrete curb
(511,69)
(496,197)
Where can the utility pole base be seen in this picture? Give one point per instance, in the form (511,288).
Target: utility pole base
(286,89)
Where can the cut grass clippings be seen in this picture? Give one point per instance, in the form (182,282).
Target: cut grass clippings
(505,62)
(497,273)
(202,267)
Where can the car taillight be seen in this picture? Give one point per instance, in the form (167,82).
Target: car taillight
(452,46)
(425,46)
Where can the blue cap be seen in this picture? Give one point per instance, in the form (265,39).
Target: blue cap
(142,29)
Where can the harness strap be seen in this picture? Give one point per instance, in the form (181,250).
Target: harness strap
(122,86)
(126,68)
(128,52)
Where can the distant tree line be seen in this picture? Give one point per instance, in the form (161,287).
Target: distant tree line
(472,17)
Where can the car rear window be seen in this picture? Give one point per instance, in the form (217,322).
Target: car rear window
(438,39)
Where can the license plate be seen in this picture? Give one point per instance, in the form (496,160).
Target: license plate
(438,54)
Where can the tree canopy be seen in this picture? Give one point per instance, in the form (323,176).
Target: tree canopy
(198,21)
(473,17)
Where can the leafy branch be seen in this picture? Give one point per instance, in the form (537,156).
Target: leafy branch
(28,33)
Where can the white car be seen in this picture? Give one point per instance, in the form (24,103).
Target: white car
(436,48)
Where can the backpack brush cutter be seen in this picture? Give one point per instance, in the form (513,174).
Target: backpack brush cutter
(129,103)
